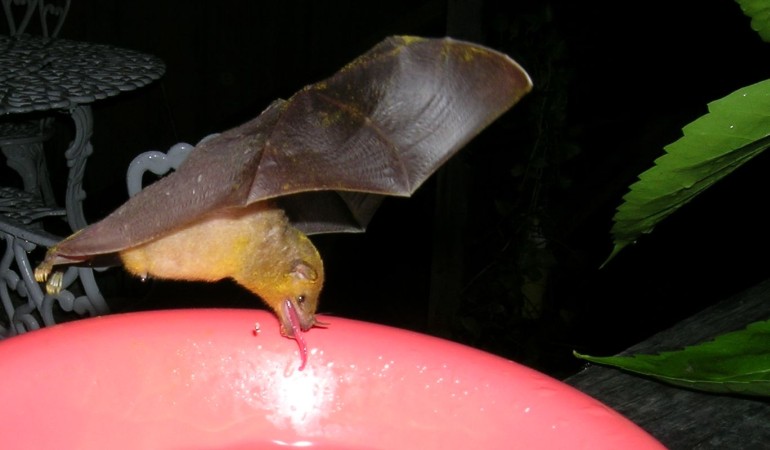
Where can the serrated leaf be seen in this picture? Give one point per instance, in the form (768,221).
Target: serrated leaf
(736,128)
(759,12)
(737,362)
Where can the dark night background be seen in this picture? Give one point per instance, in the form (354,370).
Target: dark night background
(538,188)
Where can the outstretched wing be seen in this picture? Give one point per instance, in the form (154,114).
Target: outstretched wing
(380,126)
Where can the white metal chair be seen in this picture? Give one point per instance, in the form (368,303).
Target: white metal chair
(156,162)
(24,302)
(21,14)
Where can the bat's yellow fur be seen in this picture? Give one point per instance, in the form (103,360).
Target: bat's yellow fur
(255,246)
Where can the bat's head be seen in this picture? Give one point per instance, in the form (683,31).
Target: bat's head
(287,274)
(293,296)
(299,299)
(291,283)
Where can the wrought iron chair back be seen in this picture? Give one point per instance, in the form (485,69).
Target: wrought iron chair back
(20,14)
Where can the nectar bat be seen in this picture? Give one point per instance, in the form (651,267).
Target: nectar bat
(242,204)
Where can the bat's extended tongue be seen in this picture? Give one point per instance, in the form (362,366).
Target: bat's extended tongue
(297,332)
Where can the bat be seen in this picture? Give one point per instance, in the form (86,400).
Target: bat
(243,203)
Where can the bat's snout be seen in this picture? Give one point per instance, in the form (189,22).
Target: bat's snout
(294,320)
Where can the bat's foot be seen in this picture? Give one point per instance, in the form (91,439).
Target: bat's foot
(53,281)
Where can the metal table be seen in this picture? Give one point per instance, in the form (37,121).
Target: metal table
(38,75)
(41,74)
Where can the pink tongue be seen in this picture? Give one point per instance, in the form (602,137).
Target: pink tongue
(297,332)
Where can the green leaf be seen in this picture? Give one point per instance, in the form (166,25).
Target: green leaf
(759,11)
(736,129)
(737,362)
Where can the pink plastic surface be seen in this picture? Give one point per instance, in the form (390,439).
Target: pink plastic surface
(204,379)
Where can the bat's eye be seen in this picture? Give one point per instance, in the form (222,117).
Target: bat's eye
(300,299)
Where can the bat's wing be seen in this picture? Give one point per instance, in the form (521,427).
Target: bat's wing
(380,126)
(319,212)
(217,174)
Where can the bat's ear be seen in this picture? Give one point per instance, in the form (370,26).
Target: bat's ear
(303,271)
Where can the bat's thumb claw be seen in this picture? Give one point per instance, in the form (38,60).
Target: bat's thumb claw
(42,271)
